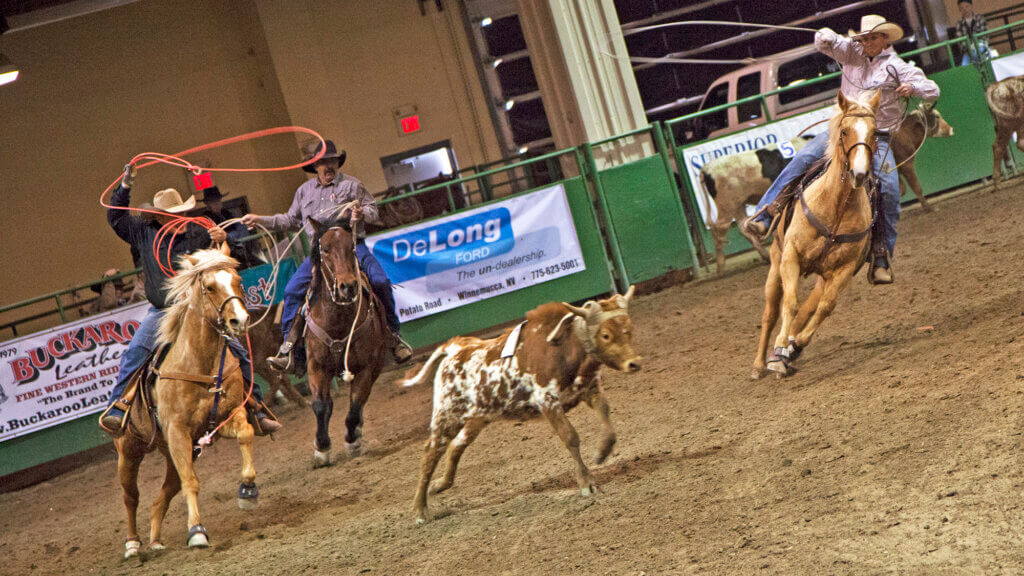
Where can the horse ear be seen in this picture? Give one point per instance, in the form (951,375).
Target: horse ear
(189,261)
(316,224)
(928,106)
(873,102)
(225,249)
(842,101)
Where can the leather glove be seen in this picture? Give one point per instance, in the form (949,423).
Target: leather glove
(827,36)
(128,179)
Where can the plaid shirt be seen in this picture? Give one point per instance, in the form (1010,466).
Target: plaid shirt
(972,27)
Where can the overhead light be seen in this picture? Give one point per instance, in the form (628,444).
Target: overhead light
(486,22)
(509,104)
(8,71)
(497,62)
(524,149)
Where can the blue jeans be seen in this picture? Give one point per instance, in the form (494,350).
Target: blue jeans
(143,343)
(889,180)
(295,291)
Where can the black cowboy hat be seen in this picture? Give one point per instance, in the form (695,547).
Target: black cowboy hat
(330,152)
(212,193)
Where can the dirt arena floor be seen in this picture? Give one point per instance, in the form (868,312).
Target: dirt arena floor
(895,450)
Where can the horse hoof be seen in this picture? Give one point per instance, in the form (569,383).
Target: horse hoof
(156,546)
(438,487)
(588,490)
(321,459)
(248,496)
(197,537)
(779,368)
(355,448)
(131,548)
(793,350)
(757,373)
(420,520)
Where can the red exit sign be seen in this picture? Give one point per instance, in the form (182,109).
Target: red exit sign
(410,124)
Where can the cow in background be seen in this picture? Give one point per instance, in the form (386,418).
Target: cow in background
(737,180)
(1006,102)
(547,365)
(924,121)
(740,179)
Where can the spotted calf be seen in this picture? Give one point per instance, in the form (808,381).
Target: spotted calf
(546,365)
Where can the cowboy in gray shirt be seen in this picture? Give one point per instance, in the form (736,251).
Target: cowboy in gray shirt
(326,198)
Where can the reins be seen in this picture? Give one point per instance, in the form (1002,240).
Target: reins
(331,282)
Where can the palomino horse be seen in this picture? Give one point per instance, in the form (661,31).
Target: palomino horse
(346,333)
(207,308)
(828,235)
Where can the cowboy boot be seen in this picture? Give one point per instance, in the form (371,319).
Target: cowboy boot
(754,228)
(881,269)
(263,421)
(285,361)
(400,349)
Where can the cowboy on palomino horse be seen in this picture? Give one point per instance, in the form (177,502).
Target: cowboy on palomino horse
(196,392)
(142,234)
(331,195)
(868,63)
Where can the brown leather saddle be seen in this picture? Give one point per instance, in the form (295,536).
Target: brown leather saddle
(785,204)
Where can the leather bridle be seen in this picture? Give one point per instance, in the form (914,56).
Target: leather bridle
(331,279)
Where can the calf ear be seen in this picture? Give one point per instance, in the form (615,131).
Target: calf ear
(561,327)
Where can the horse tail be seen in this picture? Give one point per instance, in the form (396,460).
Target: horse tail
(426,371)
(707,199)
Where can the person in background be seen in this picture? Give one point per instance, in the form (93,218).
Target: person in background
(112,293)
(215,210)
(969,26)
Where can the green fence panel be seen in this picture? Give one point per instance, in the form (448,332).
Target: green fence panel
(62,440)
(652,232)
(596,279)
(946,163)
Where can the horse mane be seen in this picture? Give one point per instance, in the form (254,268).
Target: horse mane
(180,288)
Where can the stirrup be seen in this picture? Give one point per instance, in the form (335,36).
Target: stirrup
(401,351)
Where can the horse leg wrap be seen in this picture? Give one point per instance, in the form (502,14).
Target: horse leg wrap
(779,361)
(793,350)
(131,547)
(248,496)
(197,537)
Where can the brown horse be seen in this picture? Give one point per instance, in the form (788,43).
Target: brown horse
(346,334)
(829,235)
(208,306)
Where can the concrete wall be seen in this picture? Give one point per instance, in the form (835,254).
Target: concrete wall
(166,75)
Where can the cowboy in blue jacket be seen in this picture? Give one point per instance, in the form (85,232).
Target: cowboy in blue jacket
(141,234)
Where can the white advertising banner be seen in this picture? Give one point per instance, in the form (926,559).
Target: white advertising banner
(480,253)
(1006,66)
(774,134)
(63,373)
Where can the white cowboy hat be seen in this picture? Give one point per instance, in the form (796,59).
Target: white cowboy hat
(168,200)
(875,24)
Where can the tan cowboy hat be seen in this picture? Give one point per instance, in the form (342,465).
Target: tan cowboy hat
(875,24)
(168,200)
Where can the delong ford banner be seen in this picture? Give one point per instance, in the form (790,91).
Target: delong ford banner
(480,253)
(777,134)
(63,373)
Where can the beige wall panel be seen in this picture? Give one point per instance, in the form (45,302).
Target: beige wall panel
(157,75)
(345,66)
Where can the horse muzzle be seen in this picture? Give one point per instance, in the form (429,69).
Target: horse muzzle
(344,293)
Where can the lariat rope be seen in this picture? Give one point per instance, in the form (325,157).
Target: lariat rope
(179,223)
